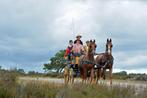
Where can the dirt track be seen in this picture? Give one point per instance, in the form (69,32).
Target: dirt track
(139,86)
(122,83)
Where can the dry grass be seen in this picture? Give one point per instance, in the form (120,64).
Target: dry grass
(11,88)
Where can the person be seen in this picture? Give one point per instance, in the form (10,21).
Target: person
(86,47)
(69,53)
(78,39)
(77,49)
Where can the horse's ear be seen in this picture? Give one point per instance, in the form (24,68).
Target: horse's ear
(110,40)
(94,40)
(107,40)
(90,40)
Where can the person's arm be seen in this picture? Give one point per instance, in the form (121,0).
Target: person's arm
(66,52)
(73,49)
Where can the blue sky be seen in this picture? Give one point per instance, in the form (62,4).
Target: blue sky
(32,31)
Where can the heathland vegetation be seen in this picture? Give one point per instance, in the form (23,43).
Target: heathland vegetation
(12,87)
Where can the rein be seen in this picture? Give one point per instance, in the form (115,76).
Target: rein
(106,63)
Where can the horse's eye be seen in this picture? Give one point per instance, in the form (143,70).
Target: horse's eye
(95,46)
(111,45)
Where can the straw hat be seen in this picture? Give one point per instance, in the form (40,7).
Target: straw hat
(78,36)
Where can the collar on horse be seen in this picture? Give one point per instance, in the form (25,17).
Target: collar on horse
(87,62)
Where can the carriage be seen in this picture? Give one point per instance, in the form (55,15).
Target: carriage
(86,65)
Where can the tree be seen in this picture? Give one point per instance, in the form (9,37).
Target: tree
(31,72)
(120,75)
(57,63)
(21,71)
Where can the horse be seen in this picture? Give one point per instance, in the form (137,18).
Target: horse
(86,62)
(69,73)
(105,61)
(66,75)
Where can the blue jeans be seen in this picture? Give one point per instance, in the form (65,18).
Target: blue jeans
(77,54)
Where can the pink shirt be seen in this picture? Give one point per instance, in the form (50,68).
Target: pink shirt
(77,48)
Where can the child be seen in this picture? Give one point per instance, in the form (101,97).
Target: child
(69,53)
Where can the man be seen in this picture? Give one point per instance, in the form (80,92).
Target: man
(78,39)
(77,49)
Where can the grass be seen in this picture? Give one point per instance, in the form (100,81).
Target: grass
(10,87)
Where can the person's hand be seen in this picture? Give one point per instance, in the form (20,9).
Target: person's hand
(65,58)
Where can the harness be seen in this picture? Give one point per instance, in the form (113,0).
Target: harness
(106,63)
(87,62)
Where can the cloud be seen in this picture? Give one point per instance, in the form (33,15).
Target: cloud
(32,31)
(130,60)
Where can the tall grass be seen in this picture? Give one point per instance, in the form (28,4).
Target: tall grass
(95,91)
(10,87)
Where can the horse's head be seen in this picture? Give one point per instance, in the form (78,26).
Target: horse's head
(109,46)
(92,47)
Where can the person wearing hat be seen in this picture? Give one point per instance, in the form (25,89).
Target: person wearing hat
(77,50)
(78,39)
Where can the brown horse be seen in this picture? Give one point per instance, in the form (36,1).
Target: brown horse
(87,62)
(105,61)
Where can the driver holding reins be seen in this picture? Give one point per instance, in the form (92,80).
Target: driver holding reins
(78,49)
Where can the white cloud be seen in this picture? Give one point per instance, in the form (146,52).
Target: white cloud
(33,28)
(130,60)
(131,70)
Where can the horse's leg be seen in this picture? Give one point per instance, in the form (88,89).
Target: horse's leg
(95,76)
(110,76)
(65,79)
(100,72)
(91,76)
(104,75)
(69,78)
(72,81)
(72,77)
(84,75)
(98,75)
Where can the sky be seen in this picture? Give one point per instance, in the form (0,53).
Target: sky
(32,31)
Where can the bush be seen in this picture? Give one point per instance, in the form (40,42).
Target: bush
(7,84)
(54,75)
(35,89)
